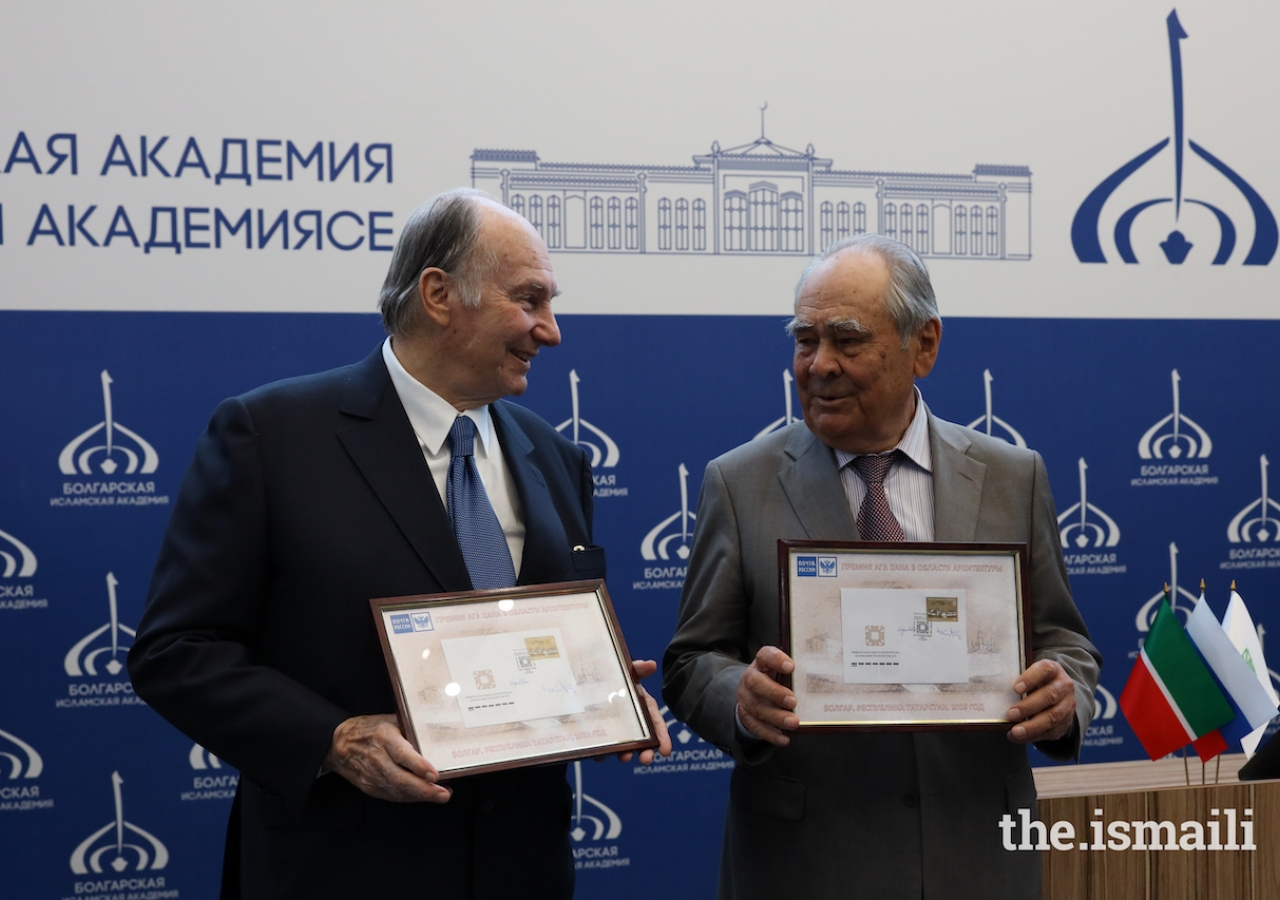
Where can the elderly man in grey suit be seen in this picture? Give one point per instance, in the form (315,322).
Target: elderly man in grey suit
(883,815)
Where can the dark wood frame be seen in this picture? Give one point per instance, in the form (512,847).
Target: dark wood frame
(540,591)
(786,548)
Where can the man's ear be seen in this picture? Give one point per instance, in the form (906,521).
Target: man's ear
(926,342)
(436,295)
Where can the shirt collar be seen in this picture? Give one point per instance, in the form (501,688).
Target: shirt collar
(430,414)
(914,444)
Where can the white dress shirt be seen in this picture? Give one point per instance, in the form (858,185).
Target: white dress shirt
(431,417)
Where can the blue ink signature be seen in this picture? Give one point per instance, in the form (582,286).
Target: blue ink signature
(516,682)
(948,632)
(562,688)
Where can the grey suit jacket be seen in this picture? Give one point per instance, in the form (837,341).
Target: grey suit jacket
(888,815)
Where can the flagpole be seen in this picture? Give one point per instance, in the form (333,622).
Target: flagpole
(1186,770)
(1218,769)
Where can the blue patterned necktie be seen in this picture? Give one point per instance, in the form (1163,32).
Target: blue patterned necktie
(876,521)
(475,525)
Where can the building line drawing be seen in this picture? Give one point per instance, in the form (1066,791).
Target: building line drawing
(759,198)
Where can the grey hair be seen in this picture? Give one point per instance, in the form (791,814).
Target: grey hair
(909,297)
(443,233)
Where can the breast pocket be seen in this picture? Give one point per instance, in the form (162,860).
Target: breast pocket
(588,562)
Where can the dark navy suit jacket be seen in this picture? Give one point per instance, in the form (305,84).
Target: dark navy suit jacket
(305,499)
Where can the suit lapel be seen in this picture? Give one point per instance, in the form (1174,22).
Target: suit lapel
(957,482)
(811,482)
(386,451)
(545,542)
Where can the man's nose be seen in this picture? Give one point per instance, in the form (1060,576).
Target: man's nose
(825,359)
(545,329)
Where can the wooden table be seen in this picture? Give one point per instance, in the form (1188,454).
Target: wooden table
(1158,792)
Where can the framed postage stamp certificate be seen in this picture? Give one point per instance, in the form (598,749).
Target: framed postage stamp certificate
(489,680)
(903,636)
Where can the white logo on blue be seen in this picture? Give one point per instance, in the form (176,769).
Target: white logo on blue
(604,452)
(1104,704)
(1255,521)
(989,418)
(788,416)
(655,545)
(81,660)
(1183,436)
(28,765)
(677,729)
(422,621)
(23,564)
(604,824)
(121,851)
(201,758)
(1101,530)
(77,458)
(1147,614)
(806,566)
(1176,247)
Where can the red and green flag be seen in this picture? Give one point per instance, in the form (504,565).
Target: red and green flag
(1171,698)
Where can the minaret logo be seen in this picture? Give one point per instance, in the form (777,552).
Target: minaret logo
(1255,521)
(1090,525)
(990,419)
(788,417)
(1176,247)
(655,544)
(27,765)
(201,758)
(678,730)
(81,457)
(604,452)
(1183,437)
(82,659)
(1104,703)
(605,826)
(121,853)
(1147,614)
(16,558)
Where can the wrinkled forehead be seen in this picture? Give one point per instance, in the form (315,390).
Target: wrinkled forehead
(854,277)
(515,245)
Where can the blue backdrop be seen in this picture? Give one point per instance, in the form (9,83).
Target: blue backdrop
(669,393)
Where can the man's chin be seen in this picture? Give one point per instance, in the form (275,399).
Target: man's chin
(516,386)
(831,428)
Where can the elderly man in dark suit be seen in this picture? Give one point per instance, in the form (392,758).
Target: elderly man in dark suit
(884,815)
(307,498)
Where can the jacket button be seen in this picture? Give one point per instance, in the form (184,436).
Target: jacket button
(911,799)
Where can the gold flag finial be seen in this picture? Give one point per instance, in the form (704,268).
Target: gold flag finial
(1233,584)
(1202,585)
(1166,589)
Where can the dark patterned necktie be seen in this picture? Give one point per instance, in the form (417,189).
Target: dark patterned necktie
(876,521)
(475,525)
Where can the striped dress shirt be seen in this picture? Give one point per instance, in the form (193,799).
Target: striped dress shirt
(909,484)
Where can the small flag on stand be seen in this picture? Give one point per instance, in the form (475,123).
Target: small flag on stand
(1249,701)
(1238,625)
(1171,698)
